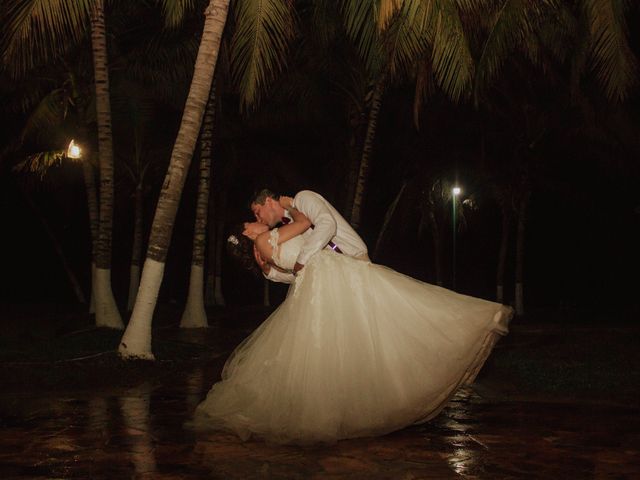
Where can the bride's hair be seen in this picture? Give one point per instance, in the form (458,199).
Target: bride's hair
(241,249)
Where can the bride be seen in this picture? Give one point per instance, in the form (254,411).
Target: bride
(356,349)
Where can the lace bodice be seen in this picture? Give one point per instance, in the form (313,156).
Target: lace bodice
(285,255)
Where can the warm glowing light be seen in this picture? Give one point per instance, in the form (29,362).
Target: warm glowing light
(74,151)
(456,190)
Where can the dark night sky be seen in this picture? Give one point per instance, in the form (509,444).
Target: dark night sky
(583,227)
(581,240)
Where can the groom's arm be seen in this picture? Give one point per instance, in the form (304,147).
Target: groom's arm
(270,272)
(276,275)
(325,226)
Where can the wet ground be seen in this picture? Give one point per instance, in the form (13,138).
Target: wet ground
(137,431)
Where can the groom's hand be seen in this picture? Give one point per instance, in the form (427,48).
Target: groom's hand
(264,266)
(297,267)
(285,202)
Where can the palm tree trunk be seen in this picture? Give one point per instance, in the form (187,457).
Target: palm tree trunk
(219,247)
(519,293)
(502,256)
(363,173)
(136,341)
(387,220)
(136,249)
(210,283)
(266,299)
(92,204)
(358,124)
(194,315)
(213,289)
(107,314)
(57,247)
(437,247)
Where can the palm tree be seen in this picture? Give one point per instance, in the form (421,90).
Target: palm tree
(586,37)
(64,107)
(194,315)
(136,341)
(424,40)
(107,314)
(41,30)
(260,38)
(133,112)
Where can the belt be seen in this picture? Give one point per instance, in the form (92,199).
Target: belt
(334,247)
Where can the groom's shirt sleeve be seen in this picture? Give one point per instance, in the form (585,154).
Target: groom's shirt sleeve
(276,275)
(325,226)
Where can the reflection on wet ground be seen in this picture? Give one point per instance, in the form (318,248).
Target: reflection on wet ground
(139,433)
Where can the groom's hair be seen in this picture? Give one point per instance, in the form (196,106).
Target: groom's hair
(260,196)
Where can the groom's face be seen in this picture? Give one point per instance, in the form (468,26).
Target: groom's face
(267,214)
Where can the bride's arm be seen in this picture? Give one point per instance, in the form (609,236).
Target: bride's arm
(263,252)
(299,225)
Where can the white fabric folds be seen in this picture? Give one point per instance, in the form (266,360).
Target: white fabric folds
(356,349)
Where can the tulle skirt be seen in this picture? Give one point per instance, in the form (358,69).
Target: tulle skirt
(356,349)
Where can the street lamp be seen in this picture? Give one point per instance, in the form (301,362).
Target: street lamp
(74,151)
(454,200)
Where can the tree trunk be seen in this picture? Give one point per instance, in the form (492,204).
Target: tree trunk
(57,247)
(194,315)
(136,249)
(363,173)
(502,256)
(266,299)
(136,341)
(219,298)
(437,247)
(213,289)
(210,283)
(387,220)
(92,204)
(107,314)
(358,124)
(519,293)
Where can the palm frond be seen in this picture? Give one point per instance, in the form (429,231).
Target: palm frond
(424,89)
(40,163)
(50,113)
(264,29)
(511,25)
(39,30)
(148,63)
(360,21)
(613,62)
(473,7)
(406,39)
(386,10)
(453,65)
(174,11)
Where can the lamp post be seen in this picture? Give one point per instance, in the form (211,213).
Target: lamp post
(455,191)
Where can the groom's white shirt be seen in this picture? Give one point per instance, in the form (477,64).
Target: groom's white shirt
(329,225)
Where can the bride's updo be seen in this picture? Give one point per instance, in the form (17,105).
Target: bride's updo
(241,249)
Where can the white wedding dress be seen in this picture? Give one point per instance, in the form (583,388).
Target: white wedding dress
(356,349)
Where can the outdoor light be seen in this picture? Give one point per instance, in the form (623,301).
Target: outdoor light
(456,190)
(74,151)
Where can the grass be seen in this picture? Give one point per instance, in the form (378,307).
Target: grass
(596,363)
(591,361)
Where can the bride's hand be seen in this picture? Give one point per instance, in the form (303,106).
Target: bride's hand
(286,202)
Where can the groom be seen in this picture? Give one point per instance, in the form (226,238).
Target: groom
(330,229)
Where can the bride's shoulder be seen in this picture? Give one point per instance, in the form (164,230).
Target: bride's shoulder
(264,243)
